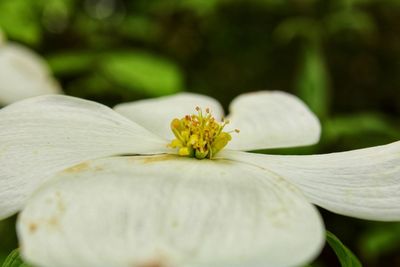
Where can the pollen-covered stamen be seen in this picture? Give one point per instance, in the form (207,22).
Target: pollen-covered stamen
(199,136)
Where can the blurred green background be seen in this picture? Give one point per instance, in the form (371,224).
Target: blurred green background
(342,57)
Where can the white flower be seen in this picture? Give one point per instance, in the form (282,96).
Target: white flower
(96,206)
(23,73)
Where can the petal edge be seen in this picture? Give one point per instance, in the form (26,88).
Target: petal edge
(272,119)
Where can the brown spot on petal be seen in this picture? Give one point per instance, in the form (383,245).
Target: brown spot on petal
(98,168)
(78,168)
(159,259)
(53,221)
(32,227)
(158,158)
(151,264)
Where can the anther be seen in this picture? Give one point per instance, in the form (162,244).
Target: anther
(200,136)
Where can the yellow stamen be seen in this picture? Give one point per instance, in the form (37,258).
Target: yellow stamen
(199,136)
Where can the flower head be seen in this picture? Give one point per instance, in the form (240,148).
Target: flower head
(199,136)
(98,189)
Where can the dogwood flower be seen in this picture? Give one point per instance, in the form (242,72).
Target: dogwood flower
(96,188)
(23,73)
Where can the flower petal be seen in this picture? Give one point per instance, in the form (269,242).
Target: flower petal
(156,114)
(169,211)
(23,74)
(272,119)
(361,183)
(46,134)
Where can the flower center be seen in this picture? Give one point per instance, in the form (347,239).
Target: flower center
(199,136)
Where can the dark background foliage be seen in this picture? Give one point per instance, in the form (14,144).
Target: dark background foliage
(342,57)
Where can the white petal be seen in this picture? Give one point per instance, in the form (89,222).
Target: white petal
(362,183)
(169,211)
(23,74)
(156,114)
(46,134)
(271,119)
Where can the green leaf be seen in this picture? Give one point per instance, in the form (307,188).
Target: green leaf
(380,240)
(200,6)
(140,27)
(142,72)
(298,27)
(20,22)
(14,260)
(346,257)
(313,81)
(360,124)
(93,85)
(350,20)
(71,62)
